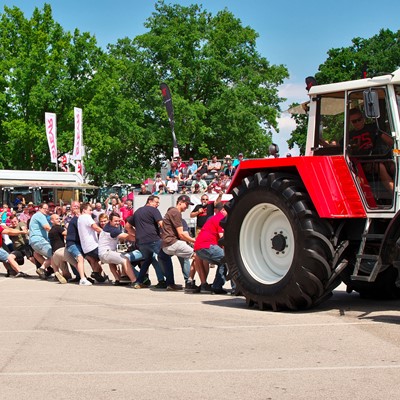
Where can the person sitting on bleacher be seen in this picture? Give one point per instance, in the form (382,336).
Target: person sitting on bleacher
(214,167)
(192,167)
(201,182)
(203,168)
(173,172)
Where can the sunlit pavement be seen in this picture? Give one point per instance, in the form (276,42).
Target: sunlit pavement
(106,342)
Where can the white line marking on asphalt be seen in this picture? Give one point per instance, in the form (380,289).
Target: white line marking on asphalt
(208,371)
(233,327)
(100,305)
(296,325)
(113,329)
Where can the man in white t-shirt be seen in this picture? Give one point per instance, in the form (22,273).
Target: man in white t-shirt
(108,243)
(98,209)
(88,234)
(172,185)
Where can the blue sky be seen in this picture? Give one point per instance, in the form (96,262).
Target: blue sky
(297,34)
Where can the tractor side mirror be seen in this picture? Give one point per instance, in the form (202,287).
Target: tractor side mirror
(371,104)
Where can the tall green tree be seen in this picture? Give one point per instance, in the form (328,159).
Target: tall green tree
(377,55)
(42,68)
(225,94)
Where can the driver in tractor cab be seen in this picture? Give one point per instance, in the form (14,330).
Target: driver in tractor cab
(367,139)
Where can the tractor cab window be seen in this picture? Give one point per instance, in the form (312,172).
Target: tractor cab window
(369,146)
(330,124)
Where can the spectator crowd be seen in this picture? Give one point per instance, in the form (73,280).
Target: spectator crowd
(59,239)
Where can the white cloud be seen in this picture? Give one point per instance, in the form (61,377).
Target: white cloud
(286,123)
(293,92)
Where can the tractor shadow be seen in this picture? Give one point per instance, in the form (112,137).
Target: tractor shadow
(341,304)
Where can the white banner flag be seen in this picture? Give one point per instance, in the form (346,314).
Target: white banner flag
(77,153)
(50,121)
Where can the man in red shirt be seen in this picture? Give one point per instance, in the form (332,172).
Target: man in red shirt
(206,247)
(127,210)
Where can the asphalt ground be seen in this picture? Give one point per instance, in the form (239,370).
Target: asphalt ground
(108,342)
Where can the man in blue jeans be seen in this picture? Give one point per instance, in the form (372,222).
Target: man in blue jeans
(206,248)
(145,224)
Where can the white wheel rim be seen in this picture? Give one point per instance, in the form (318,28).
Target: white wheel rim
(263,227)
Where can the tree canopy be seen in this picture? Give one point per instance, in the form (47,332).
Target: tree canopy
(375,56)
(225,94)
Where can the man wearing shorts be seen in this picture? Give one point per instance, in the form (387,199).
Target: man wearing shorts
(39,239)
(108,242)
(88,234)
(73,252)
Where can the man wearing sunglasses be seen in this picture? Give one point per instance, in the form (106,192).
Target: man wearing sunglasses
(367,139)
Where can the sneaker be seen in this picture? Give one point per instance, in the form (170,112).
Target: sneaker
(10,271)
(21,275)
(124,278)
(174,288)
(206,288)
(60,278)
(147,281)
(49,271)
(138,285)
(73,280)
(191,287)
(84,282)
(97,276)
(161,285)
(219,291)
(42,274)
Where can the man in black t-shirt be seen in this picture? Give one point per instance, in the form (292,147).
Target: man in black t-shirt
(56,237)
(145,224)
(203,211)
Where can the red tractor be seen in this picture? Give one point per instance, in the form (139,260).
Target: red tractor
(299,226)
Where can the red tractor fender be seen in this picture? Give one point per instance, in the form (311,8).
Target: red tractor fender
(327,179)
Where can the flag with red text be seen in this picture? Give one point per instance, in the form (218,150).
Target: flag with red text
(78,144)
(50,121)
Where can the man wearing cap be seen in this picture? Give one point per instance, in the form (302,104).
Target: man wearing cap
(173,172)
(229,169)
(174,239)
(237,161)
(180,164)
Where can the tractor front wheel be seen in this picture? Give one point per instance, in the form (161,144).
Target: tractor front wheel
(277,249)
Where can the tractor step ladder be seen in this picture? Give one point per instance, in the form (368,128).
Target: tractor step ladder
(366,236)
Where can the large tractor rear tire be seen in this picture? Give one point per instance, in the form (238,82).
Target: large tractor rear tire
(277,248)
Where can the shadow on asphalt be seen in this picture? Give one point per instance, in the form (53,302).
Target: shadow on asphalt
(340,301)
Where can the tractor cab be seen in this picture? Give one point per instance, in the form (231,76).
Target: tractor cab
(358,120)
